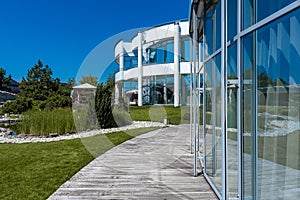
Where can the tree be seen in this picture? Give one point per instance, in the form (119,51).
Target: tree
(39,90)
(4,81)
(103,105)
(39,84)
(93,80)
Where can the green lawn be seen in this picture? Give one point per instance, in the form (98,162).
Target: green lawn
(36,170)
(178,115)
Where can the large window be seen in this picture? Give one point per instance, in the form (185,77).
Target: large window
(271,109)
(130,61)
(278,107)
(213,131)
(256,10)
(162,52)
(212,30)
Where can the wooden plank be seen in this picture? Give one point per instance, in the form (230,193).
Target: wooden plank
(156,165)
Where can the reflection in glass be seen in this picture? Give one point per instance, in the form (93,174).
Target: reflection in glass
(248,15)
(232,147)
(160,53)
(185,50)
(232,19)
(278,124)
(247,122)
(212,30)
(209,154)
(213,136)
(130,61)
(268,7)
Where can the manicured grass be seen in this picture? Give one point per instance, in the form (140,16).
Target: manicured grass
(36,170)
(178,115)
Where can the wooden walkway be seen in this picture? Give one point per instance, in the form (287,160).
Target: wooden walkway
(155,165)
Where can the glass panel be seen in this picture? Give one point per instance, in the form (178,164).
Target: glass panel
(213,146)
(160,55)
(232,147)
(170,89)
(170,53)
(248,15)
(208,31)
(247,104)
(217,28)
(130,61)
(278,76)
(232,19)
(209,154)
(213,30)
(268,7)
(185,50)
(217,179)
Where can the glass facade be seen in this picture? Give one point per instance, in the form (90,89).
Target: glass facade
(158,90)
(130,61)
(256,10)
(261,102)
(163,52)
(163,71)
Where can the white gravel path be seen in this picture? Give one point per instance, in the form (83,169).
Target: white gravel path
(4,138)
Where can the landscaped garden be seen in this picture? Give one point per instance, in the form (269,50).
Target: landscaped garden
(36,170)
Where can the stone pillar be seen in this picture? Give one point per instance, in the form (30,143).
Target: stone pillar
(140,70)
(176,64)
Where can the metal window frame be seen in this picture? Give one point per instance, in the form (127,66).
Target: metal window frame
(239,102)
(224,97)
(224,45)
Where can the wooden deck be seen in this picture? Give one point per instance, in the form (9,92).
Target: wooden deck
(156,165)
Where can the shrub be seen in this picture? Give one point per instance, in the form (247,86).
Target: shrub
(18,106)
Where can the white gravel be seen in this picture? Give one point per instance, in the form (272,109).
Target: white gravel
(4,138)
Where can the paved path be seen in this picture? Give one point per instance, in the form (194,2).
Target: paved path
(155,165)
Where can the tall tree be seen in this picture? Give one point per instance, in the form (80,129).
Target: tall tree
(4,80)
(39,84)
(103,105)
(93,80)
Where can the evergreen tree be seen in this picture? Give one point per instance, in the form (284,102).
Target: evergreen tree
(39,84)
(103,105)
(4,81)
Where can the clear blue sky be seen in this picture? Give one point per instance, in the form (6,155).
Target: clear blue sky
(63,32)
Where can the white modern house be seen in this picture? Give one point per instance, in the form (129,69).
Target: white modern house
(155,63)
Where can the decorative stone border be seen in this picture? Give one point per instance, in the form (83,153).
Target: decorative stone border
(22,138)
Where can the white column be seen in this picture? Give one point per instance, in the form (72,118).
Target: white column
(140,70)
(121,65)
(176,64)
(165,91)
(117,94)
